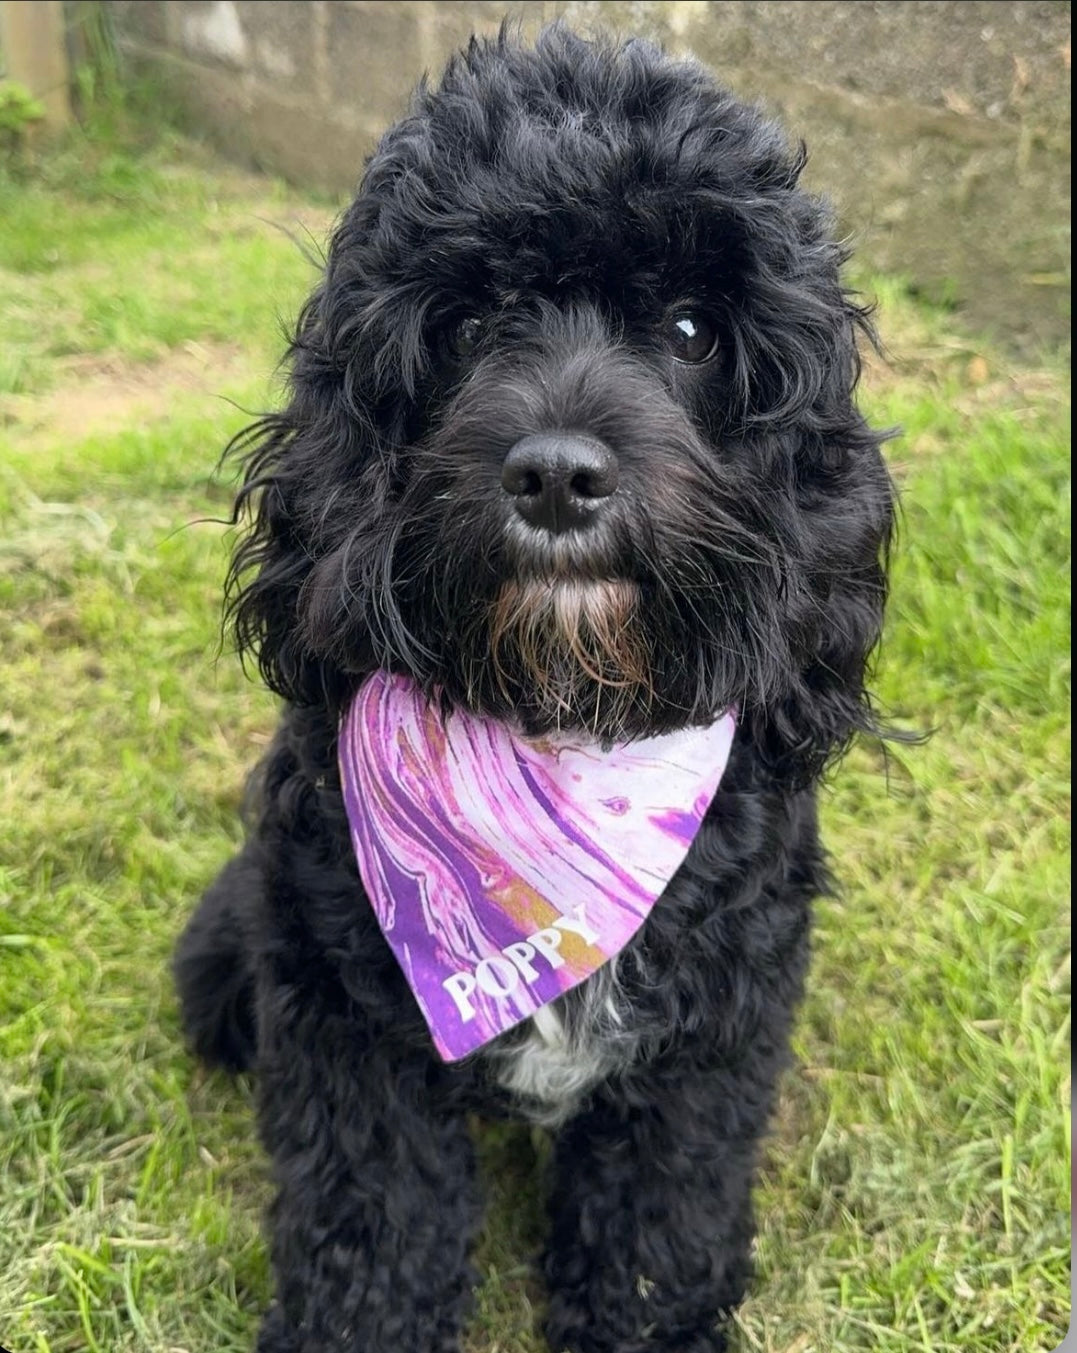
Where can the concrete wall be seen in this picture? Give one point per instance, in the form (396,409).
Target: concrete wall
(941,130)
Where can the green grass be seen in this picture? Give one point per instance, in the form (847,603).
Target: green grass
(915,1189)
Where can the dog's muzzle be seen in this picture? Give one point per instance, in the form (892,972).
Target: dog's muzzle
(560,481)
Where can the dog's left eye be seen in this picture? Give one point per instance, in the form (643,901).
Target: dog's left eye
(463,337)
(691,337)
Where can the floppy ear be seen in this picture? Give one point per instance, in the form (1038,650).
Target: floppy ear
(839,531)
(296,462)
(304,594)
(827,700)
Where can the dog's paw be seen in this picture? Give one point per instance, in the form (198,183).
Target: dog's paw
(275,1336)
(585,1336)
(703,1343)
(278,1335)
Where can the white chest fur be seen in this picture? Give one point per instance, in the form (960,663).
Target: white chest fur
(567,1051)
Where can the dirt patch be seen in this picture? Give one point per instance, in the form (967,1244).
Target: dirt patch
(100,392)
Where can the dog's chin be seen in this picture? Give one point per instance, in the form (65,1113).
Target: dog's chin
(571,654)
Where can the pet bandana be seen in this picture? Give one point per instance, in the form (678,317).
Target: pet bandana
(504,870)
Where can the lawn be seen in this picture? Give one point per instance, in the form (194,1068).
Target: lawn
(915,1194)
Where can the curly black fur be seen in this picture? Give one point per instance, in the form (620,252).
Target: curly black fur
(515,246)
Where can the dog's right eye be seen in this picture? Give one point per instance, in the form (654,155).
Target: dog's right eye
(463,337)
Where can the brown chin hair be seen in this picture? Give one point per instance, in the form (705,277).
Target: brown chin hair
(577,645)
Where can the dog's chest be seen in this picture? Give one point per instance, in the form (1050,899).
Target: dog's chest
(570,1046)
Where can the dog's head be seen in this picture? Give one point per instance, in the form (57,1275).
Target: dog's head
(571,437)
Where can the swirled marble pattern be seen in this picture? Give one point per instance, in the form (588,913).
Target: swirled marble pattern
(504,870)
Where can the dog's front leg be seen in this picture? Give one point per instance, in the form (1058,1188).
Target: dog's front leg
(652,1220)
(377,1199)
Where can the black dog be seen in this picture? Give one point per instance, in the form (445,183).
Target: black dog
(590,248)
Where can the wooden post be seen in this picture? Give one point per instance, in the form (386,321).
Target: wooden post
(33,52)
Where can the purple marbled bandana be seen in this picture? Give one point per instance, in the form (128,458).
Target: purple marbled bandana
(504,870)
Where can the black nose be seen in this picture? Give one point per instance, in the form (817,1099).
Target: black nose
(559,480)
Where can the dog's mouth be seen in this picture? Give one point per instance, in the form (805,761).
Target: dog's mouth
(570,644)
